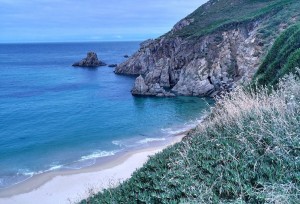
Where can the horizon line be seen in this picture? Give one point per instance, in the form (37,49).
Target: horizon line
(56,42)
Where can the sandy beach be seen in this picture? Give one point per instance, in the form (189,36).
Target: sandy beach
(72,186)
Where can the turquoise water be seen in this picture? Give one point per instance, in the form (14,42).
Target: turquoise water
(54,116)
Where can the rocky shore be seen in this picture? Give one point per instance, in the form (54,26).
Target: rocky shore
(141,89)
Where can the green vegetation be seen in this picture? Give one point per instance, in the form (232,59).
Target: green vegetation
(282,58)
(246,151)
(223,14)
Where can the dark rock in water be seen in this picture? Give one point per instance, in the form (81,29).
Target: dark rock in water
(112,65)
(126,56)
(142,89)
(90,61)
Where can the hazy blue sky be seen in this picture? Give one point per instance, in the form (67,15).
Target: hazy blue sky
(89,20)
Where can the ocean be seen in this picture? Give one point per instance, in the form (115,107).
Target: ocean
(54,116)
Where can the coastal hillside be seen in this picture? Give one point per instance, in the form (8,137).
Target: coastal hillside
(217,47)
(245,151)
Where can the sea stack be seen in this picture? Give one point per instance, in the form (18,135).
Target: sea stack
(91,60)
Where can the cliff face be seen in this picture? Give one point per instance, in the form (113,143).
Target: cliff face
(198,66)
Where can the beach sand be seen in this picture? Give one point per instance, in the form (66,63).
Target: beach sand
(75,185)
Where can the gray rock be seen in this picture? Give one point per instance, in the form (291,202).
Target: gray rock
(140,88)
(181,24)
(90,61)
(169,94)
(155,89)
(146,43)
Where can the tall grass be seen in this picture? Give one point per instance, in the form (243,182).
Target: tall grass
(246,151)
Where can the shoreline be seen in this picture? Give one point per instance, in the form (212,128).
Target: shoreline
(68,186)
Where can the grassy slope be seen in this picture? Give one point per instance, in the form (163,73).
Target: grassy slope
(282,58)
(248,150)
(221,13)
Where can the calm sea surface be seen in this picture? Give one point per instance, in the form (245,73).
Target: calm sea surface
(54,116)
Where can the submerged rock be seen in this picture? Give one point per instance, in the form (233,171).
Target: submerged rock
(126,56)
(90,61)
(112,65)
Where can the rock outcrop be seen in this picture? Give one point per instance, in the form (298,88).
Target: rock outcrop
(90,61)
(141,89)
(198,67)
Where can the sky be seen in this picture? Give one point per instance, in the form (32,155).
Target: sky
(89,20)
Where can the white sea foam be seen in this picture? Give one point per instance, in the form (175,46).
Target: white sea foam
(180,129)
(173,131)
(21,176)
(147,140)
(25,172)
(98,154)
(117,142)
(81,164)
(55,167)
(28,173)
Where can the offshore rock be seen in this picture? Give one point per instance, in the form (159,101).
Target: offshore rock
(90,61)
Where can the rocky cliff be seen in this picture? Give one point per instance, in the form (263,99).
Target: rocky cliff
(204,62)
